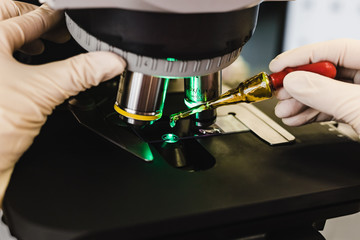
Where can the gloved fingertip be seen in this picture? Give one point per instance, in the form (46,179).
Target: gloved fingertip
(282,94)
(285,109)
(278,110)
(280,62)
(99,66)
(275,65)
(46,7)
(85,70)
(109,60)
(57,36)
(36,47)
(278,113)
(46,10)
(293,121)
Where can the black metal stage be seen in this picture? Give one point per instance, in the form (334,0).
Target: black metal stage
(73,184)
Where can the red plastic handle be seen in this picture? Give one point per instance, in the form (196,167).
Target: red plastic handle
(324,68)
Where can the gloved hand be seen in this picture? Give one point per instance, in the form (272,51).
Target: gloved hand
(28,94)
(307,97)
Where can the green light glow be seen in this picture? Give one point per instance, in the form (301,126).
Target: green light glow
(194,92)
(171,60)
(170,138)
(166,84)
(183,114)
(144,151)
(173,122)
(196,79)
(190,104)
(149,157)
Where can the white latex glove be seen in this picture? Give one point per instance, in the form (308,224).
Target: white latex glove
(28,94)
(308,97)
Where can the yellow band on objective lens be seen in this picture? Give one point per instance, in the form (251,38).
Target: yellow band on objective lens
(136,116)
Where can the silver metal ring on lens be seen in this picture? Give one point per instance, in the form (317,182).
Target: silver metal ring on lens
(140,98)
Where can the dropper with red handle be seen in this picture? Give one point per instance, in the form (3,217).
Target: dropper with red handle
(257,88)
(324,68)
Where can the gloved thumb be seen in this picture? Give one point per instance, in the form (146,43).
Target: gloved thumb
(336,98)
(80,72)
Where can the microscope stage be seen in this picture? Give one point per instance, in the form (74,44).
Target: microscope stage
(73,184)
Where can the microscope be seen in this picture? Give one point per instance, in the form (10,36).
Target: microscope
(231,174)
(162,41)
